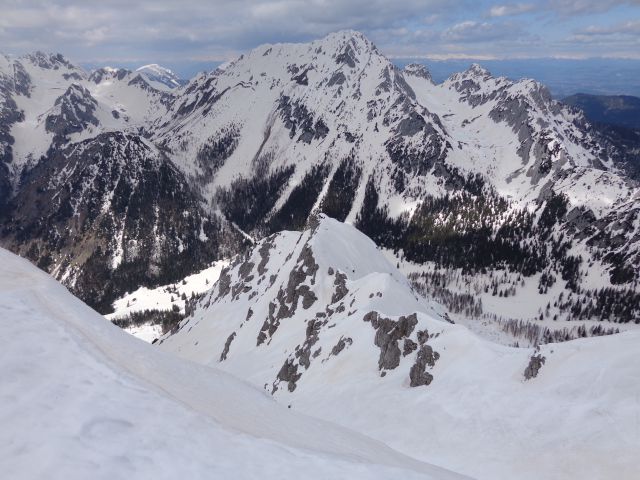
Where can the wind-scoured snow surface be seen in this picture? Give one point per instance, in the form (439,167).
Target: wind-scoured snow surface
(316,318)
(81,399)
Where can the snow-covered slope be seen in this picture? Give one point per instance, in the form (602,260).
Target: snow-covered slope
(83,193)
(520,139)
(479,174)
(333,126)
(138,311)
(323,321)
(75,406)
(160,77)
(110,214)
(339,97)
(56,101)
(308,105)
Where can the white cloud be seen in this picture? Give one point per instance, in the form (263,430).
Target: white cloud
(170,30)
(625,28)
(472,31)
(572,7)
(512,9)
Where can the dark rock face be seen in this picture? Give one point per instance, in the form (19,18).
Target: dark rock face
(341,291)
(307,267)
(49,61)
(227,345)
(347,57)
(303,353)
(224,284)
(341,345)
(426,357)
(213,154)
(388,333)
(21,80)
(9,114)
(108,215)
(408,347)
(337,78)
(301,79)
(515,112)
(264,252)
(535,364)
(413,159)
(18,84)
(300,121)
(74,112)
(97,76)
(289,373)
(269,326)
(287,298)
(417,70)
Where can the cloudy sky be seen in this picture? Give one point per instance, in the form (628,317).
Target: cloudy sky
(140,31)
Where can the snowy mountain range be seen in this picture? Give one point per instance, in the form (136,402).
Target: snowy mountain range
(325,323)
(344,269)
(488,178)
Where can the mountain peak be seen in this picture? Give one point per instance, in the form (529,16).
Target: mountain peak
(417,70)
(160,75)
(100,74)
(347,35)
(477,70)
(49,61)
(345,41)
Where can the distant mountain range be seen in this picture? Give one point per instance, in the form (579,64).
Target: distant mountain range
(113,181)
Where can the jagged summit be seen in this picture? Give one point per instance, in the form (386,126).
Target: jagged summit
(476,77)
(48,60)
(417,70)
(348,37)
(105,73)
(478,70)
(347,47)
(331,41)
